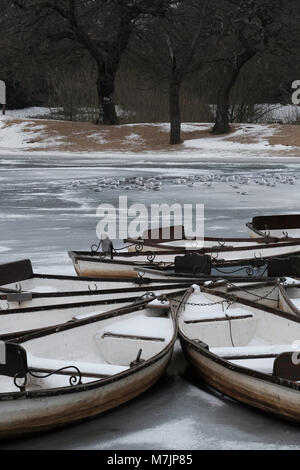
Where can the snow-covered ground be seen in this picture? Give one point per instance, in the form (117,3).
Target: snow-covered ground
(48,206)
(246,142)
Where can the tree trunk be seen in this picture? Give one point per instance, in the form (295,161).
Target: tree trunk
(175,114)
(106,89)
(222,125)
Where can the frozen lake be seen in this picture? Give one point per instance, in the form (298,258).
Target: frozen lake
(48,206)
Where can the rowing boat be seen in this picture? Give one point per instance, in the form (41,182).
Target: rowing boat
(21,288)
(61,375)
(282,227)
(22,321)
(244,346)
(226,253)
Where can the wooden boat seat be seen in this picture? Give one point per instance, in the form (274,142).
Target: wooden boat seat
(87,369)
(265,366)
(215,315)
(141,327)
(252,352)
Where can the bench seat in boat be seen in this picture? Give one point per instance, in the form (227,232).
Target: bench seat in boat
(216,314)
(252,352)
(259,358)
(265,366)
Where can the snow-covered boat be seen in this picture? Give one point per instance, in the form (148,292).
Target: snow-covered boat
(21,288)
(61,375)
(281,227)
(18,322)
(226,252)
(246,346)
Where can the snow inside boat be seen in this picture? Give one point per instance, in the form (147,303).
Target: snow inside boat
(246,347)
(21,288)
(83,368)
(21,321)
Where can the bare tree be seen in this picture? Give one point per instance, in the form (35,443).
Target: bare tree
(172,47)
(181,58)
(248,28)
(102,27)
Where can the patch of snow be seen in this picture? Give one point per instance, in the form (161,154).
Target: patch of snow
(21,136)
(259,133)
(31,112)
(98,137)
(134,138)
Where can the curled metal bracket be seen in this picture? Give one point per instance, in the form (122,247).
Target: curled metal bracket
(95,248)
(139,247)
(259,256)
(93,289)
(231,300)
(151,257)
(141,273)
(214,256)
(286,234)
(250,271)
(222,243)
(21,386)
(74,379)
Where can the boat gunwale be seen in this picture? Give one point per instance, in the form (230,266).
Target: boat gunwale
(44,295)
(259,243)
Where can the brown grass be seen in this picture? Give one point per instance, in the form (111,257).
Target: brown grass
(88,137)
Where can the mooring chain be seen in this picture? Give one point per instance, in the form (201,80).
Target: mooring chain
(259,297)
(201,304)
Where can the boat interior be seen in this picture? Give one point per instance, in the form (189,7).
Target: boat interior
(92,350)
(247,336)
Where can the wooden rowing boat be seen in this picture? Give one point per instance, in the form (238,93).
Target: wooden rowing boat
(244,346)
(61,375)
(227,253)
(22,321)
(21,288)
(282,227)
